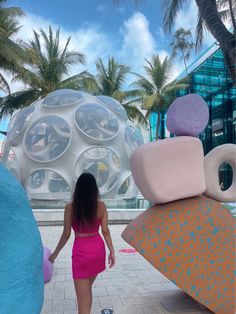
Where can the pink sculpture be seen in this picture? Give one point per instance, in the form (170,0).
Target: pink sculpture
(188,237)
(187,115)
(47,266)
(164,170)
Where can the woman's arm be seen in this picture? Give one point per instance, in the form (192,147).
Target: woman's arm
(65,234)
(107,237)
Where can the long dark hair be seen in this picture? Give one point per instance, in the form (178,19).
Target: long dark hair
(85,199)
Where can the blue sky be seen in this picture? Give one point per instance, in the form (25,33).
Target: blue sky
(98,28)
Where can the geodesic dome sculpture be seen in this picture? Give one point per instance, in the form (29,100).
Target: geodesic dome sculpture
(51,142)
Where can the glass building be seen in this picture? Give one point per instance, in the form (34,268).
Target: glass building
(209,78)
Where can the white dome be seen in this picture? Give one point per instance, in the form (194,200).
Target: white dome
(50,143)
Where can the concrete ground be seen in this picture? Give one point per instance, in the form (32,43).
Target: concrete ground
(133,286)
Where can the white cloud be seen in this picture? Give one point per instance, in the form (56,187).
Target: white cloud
(93,44)
(138,42)
(88,39)
(160,33)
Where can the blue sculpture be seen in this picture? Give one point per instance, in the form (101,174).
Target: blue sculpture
(21,251)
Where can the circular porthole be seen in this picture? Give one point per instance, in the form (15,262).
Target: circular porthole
(103,163)
(46,183)
(133,138)
(96,122)
(18,122)
(113,105)
(47,139)
(61,98)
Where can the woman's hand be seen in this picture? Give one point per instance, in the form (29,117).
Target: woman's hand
(52,258)
(111,259)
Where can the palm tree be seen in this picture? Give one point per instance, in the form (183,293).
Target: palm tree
(210,16)
(47,66)
(109,81)
(157,92)
(11,54)
(182,44)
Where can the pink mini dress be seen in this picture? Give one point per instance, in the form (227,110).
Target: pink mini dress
(88,252)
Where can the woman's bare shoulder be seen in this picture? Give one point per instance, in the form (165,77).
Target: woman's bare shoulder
(101,203)
(101,208)
(68,206)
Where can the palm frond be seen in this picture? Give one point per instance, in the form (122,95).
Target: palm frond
(171,90)
(150,101)
(11,12)
(17,100)
(199,31)
(143,84)
(28,78)
(4,85)
(170,9)
(135,114)
(82,81)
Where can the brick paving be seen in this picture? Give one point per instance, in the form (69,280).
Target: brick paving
(133,286)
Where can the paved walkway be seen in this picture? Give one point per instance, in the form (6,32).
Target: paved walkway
(133,286)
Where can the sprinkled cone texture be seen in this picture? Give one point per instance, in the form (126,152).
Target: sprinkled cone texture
(192,242)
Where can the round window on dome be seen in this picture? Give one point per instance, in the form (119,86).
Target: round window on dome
(47,139)
(18,121)
(62,97)
(96,121)
(47,184)
(114,105)
(103,163)
(133,138)
(124,186)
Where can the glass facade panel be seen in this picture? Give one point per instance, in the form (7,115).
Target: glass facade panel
(211,81)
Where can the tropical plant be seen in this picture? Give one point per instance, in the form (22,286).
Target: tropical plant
(109,81)
(157,92)
(47,66)
(211,14)
(182,45)
(11,53)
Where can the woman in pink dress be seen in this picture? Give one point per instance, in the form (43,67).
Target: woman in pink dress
(85,215)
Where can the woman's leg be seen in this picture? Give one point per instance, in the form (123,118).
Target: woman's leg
(84,295)
(92,279)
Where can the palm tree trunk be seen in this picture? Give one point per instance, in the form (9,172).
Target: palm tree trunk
(232,15)
(227,42)
(186,70)
(158,124)
(185,64)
